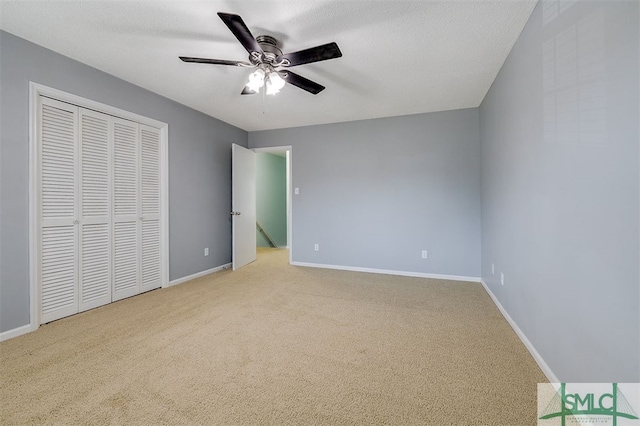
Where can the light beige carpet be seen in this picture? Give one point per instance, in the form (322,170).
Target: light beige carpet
(277,344)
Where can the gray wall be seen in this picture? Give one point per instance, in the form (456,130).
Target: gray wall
(374,193)
(271,198)
(559,135)
(199,167)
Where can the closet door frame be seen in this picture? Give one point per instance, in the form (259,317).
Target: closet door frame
(35,92)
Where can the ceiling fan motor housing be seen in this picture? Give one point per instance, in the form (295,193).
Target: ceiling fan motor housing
(270,48)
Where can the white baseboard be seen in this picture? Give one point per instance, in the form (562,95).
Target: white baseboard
(19,331)
(198,274)
(389,272)
(527,343)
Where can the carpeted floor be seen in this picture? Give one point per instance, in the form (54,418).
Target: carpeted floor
(277,344)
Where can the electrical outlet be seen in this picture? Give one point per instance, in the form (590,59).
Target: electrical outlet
(206,251)
(425,254)
(493,269)
(502,278)
(316,247)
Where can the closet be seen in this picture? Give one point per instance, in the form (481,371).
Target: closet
(99,208)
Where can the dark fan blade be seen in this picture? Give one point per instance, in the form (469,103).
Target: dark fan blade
(240,30)
(314,54)
(214,61)
(301,82)
(247,91)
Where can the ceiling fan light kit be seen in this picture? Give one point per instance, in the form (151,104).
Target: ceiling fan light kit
(267,76)
(274,82)
(266,57)
(256,80)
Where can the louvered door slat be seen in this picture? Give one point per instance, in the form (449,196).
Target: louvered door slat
(126,260)
(150,254)
(58,159)
(125,168)
(95,165)
(58,272)
(150,140)
(95,277)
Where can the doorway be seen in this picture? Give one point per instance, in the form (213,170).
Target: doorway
(273,197)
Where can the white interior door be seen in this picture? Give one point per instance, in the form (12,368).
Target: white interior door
(150,231)
(243,201)
(95,222)
(59,210)
(127,219)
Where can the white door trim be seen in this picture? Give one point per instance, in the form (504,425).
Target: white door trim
(35,92)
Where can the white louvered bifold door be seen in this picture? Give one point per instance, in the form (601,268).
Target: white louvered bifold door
(98,209)
(58,177)
(150,181)
(127,218)
(95,228)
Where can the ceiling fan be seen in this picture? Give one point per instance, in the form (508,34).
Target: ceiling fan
(267,58)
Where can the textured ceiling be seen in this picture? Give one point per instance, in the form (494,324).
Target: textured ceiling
(399,57)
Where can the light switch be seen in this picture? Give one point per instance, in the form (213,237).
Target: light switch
(296,191)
